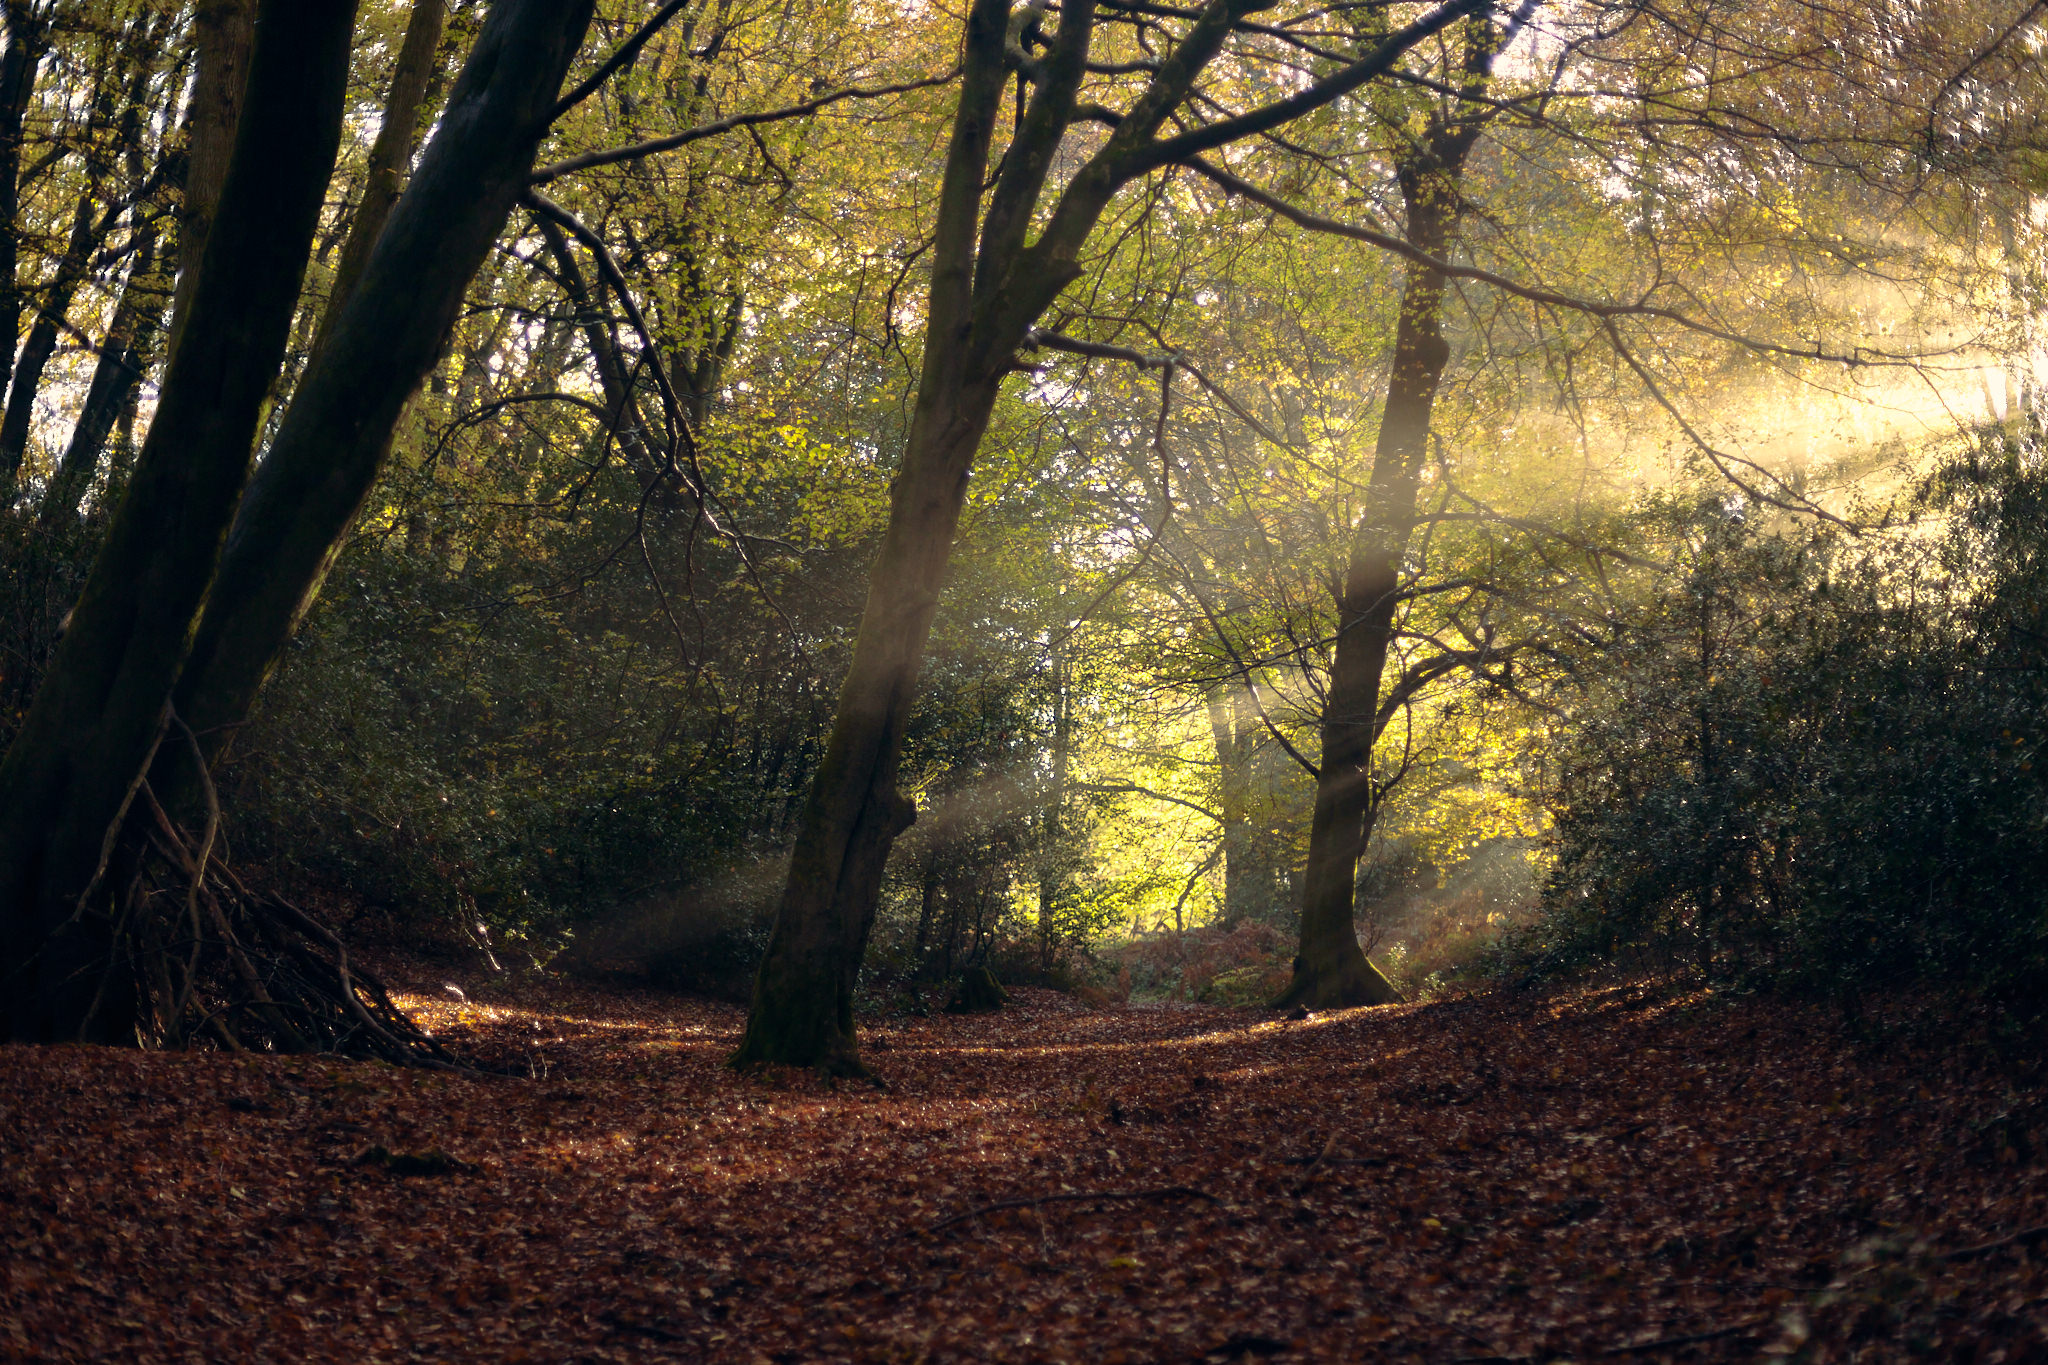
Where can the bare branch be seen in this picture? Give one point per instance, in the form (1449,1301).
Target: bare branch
(628,50)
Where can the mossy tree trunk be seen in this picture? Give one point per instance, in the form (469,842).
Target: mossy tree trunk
(96,719)
(390,328)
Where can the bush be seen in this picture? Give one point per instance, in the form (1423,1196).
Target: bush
(1188,965)
(1245,986)
(1813,762)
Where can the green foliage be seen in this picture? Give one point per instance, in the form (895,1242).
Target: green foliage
(1812,760)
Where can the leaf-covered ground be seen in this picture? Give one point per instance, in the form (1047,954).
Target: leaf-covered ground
(1618,1174)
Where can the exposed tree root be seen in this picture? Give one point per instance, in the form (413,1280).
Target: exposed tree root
(209,960)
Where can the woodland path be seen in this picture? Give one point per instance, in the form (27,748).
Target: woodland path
(1505,1177)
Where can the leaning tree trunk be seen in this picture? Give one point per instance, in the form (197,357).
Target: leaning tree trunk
(124,353)
(223,33)
(803,995)
(1331,970)
(81,752)
(337,431)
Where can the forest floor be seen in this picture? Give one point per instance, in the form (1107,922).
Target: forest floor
(1626,1173)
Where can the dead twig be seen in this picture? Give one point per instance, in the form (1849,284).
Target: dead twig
(2024,1237)
(1308,1174)
(1691,1339)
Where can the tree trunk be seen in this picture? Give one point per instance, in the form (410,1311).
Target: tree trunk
(42,338)
(625,420)
(802,1012)
(803,998)
(88,736)
(224,32)
(1331,971)
(28,29)
(1247,872)
(334,437)
(124,353)
(127,64)
(1054,883)
(138,313)
(390,155)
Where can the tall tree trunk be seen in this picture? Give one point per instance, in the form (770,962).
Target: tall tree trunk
(390,155)
(97,717)
(1053,880)
(224,32)
(334,436)
(28,38)
(124,354)
(1331,971)
(803,998)
(803,994)
(42,338)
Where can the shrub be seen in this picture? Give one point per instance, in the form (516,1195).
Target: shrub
(1812,762)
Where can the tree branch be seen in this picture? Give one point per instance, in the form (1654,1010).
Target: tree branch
(613,155)
(627,51)
(1592,308)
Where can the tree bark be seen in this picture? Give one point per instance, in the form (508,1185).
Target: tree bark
(224,32)
(334,436)
(88,736)
(124,354)
(28,30)
(1330,970)
(390,155)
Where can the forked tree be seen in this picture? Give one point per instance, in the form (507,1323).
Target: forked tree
(1006,244)
(1330,970)
(81,956)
